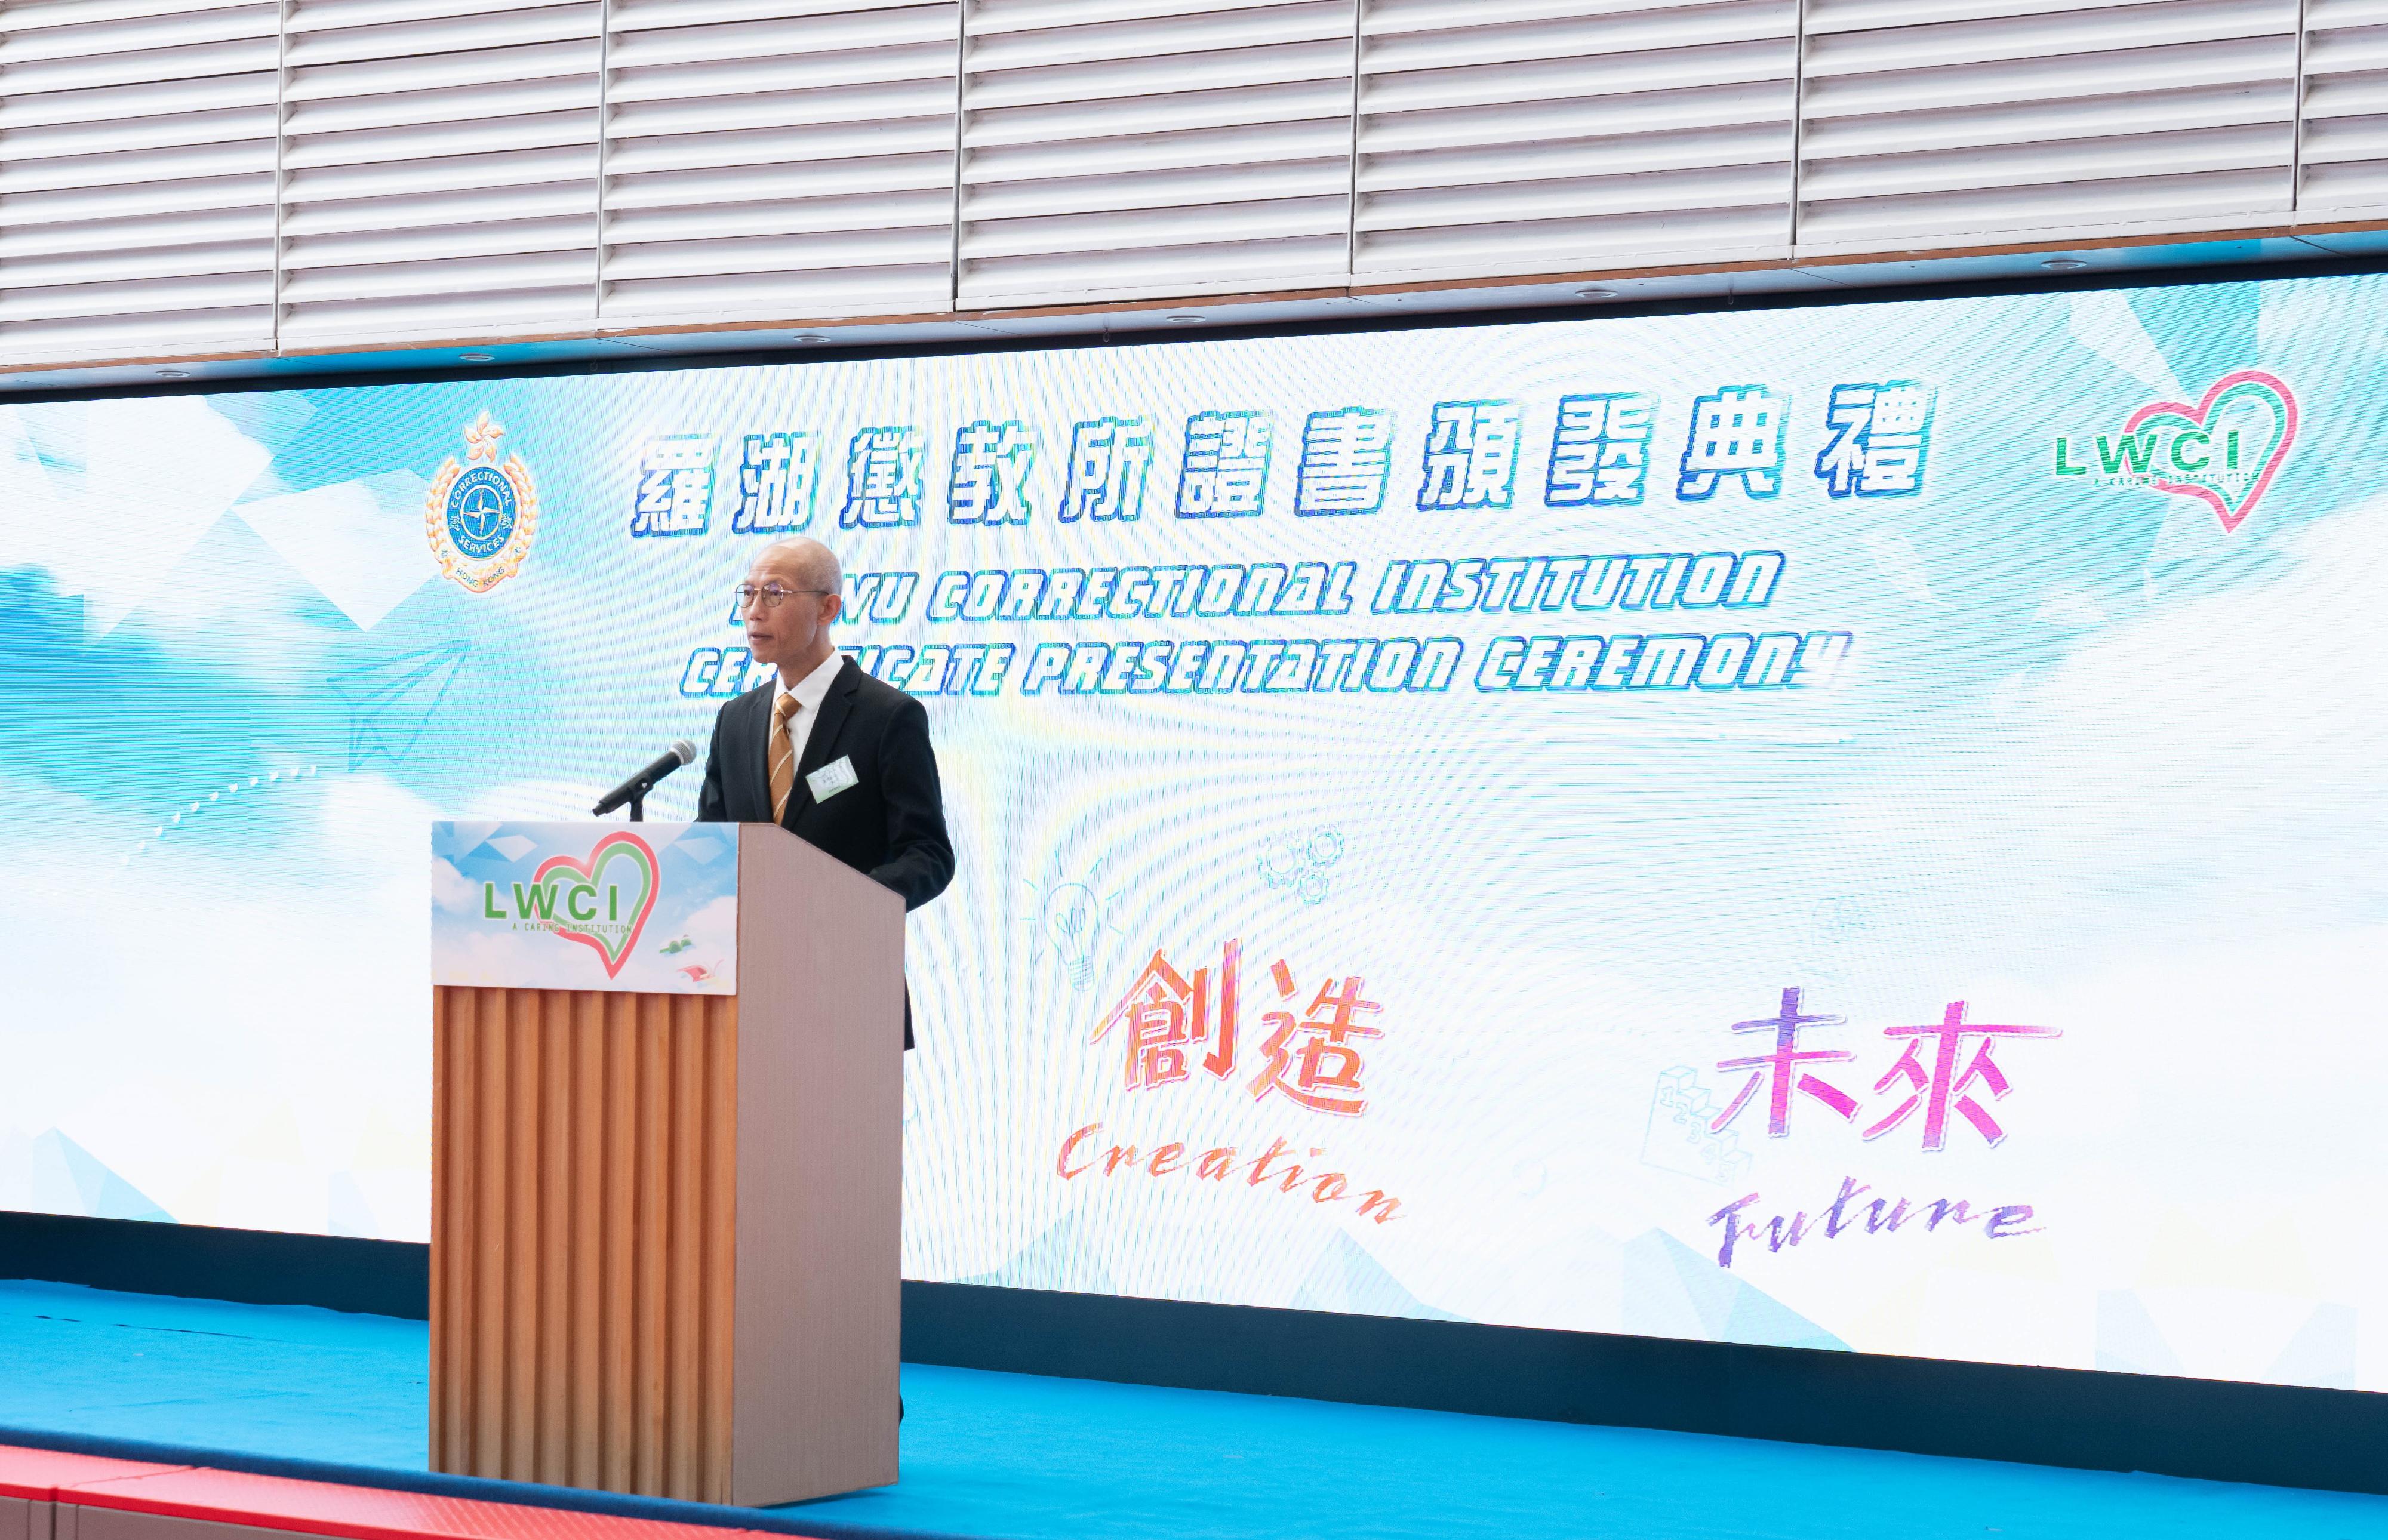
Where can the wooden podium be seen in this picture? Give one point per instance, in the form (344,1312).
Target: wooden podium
(667,1117)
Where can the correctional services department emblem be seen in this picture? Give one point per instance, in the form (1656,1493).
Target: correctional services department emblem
(481,515)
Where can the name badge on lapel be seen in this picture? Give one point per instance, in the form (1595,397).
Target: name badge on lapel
(831,778)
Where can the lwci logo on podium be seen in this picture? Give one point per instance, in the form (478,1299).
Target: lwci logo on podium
(643,909)
(601,902)
(2223,451)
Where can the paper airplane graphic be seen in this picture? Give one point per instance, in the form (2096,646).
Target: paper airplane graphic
(390,701)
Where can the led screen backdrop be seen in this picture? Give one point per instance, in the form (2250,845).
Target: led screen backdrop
(1847,826)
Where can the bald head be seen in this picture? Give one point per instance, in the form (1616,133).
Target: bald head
(791,633)
(803,563)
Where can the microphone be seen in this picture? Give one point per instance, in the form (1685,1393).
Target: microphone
(634,791)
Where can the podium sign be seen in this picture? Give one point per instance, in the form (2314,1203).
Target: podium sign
(638,908)
(666,1129)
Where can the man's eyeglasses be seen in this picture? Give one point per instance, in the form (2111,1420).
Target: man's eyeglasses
(767,596)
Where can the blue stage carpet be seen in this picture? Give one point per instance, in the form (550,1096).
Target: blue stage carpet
(1029,1459)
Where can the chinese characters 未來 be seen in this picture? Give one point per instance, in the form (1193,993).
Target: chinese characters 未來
(1941,1065)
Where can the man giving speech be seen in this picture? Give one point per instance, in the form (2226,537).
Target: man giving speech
(826,751)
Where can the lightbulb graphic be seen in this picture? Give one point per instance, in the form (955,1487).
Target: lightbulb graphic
(1072,915)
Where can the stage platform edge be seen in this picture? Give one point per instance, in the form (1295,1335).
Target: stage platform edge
(2315,1437)
(56,1486)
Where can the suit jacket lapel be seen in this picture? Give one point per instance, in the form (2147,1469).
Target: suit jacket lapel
(754,727)
(820,747)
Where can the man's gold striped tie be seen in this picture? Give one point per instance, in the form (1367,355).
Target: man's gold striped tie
(783,756)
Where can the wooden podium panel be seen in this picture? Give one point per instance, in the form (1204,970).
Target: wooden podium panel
(666,1226)
(585,1210)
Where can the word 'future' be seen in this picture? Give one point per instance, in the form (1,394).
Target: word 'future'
(2001,1223)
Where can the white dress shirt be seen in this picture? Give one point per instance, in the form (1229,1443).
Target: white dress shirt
(810,691)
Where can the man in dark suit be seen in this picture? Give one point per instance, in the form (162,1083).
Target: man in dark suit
(825,751)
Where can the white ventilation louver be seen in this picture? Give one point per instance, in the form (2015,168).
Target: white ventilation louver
(1515,136)
(1966,121)
(1127,148)
(2344,158)
(440,171)
(136,179)
(187,178)
(774,158)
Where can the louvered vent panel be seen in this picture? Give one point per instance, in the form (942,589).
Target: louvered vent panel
(1946,121)
(137,177)
(1504,136)
(1132,148)
(774,158)
(439,170)
(2345,151)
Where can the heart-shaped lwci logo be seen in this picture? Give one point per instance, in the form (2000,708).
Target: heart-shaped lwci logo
(2241,433)
(613,944)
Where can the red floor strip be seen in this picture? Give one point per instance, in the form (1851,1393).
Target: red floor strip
(314,1508)
(39,1473)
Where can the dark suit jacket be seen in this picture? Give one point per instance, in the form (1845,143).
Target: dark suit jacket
(890,825)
